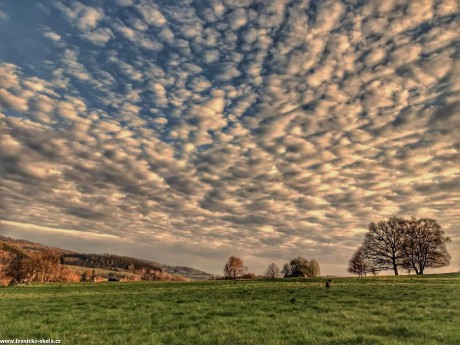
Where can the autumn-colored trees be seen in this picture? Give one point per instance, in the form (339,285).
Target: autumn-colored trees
(395,243)
(20,270)
(40,267)
(234,268)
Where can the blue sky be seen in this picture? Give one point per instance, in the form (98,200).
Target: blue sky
(188,131)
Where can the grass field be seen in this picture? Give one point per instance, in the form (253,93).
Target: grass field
(383,310)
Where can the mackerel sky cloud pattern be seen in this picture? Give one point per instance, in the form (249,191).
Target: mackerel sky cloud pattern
(188,131)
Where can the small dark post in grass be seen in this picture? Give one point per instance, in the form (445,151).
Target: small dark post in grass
(328,284)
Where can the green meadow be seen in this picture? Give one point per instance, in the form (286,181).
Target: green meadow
(382,310)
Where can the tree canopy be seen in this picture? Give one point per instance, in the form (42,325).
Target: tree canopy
(234,268)
(425,245)
(36,267)
(301,267)
(383,244)
(359,264)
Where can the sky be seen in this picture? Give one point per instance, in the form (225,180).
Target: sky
(188,131)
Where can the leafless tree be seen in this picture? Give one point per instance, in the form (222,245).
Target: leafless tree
(359,264)
(384,242)
(425,245)
(273,271)
(413,244)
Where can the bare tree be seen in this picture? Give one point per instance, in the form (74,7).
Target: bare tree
(384,242)
(234,268)
(273,271)
(425,245)
(413,244)
(359,264)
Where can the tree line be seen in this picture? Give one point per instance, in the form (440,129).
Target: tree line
(398,243)
(109,261)
(298,267)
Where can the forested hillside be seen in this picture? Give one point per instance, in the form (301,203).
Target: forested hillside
(108,261)
(23,261)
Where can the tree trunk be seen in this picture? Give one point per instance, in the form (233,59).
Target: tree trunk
(395,268)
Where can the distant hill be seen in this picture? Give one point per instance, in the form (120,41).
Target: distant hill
(188,272)
(10,246)
(14,245)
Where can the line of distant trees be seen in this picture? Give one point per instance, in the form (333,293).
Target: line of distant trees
(109,261)
(298,267)
(398,243)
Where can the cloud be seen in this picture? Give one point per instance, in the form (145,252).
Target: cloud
(8,100)
(67,232)
(52,36)
(3,15)
(238,18)
(84,17)
(99,36)
(151,14)
(89,17)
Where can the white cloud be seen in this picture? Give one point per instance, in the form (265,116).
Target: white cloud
(84,17)
(99,36)
(66,232)
(52,36)
(89,17)
(238,18)
(151,14)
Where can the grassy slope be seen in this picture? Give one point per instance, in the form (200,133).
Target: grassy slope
(384,310)
(100,271)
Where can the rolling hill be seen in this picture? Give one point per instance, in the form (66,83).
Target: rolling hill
(10,247)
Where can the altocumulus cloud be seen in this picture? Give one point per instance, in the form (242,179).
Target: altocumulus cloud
(265,129)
